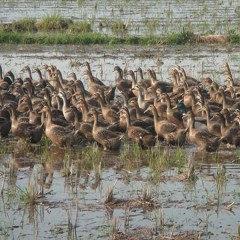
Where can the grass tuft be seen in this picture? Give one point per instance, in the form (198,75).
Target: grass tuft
(53,23)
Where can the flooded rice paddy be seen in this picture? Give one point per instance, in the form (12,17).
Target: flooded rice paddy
(139,17)
(91,194)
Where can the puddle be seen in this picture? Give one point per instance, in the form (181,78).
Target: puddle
(66,182)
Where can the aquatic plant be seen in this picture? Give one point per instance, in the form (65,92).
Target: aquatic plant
(146,196)
(159,220)
(53,22)
(179,38)
(119,27)
(234,37)
(80,27)
(131,156)
(92,154)
(114,228)
(23,25)
(109,197)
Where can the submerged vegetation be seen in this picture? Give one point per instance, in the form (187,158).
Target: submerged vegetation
(54,29)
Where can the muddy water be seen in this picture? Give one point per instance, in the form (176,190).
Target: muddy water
(198,61)
(71,189)
(74,196)
(140,17)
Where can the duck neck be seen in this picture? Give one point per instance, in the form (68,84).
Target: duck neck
(128,121)
(224,103)
(65,102)
(76,120)
(168,102)
(103,105)
(125,100)
(29,72)
(59,104)
(155,117)
(140,96)
(90,77)
(133,79)
(59,80)
(48,99)
(40,78)
(85,110)
(13,116)
(74,77)
(191,124)
(95,121)
(1,76)
(118,76)
(138,115)
(207,116)
(29,103)
(227,118)
(222,124)
(140,73)
(49,118)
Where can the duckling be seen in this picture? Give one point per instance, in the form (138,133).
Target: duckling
(26,69)
(127,103)
(230,132)
(213,126)
(53,105)
(41,83)
(141,79)
(79,87)
(167,130)
(137,134)
(133,80)
(164,86)
(85,110)
(172,115)
(228,103)
(94,87)
(29,89)
(201,137)
(24,130)
(140,114)
(60,136)
(107,139)
(96,80)
(4,85)
(142,103)
(123,85)
(134,122)
(190,81)
(5,126)
(84,128)
(108,114)
(24,105)
(67,111)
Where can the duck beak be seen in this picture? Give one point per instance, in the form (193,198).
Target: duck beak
(146,110)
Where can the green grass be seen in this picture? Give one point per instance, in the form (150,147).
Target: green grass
(86,39)
(53,23)
(55,29)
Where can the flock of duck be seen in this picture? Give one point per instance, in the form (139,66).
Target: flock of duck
(143,109)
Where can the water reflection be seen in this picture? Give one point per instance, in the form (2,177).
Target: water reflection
(65,179)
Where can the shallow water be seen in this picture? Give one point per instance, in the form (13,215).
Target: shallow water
(198,61)
(140,17)
(187,205)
